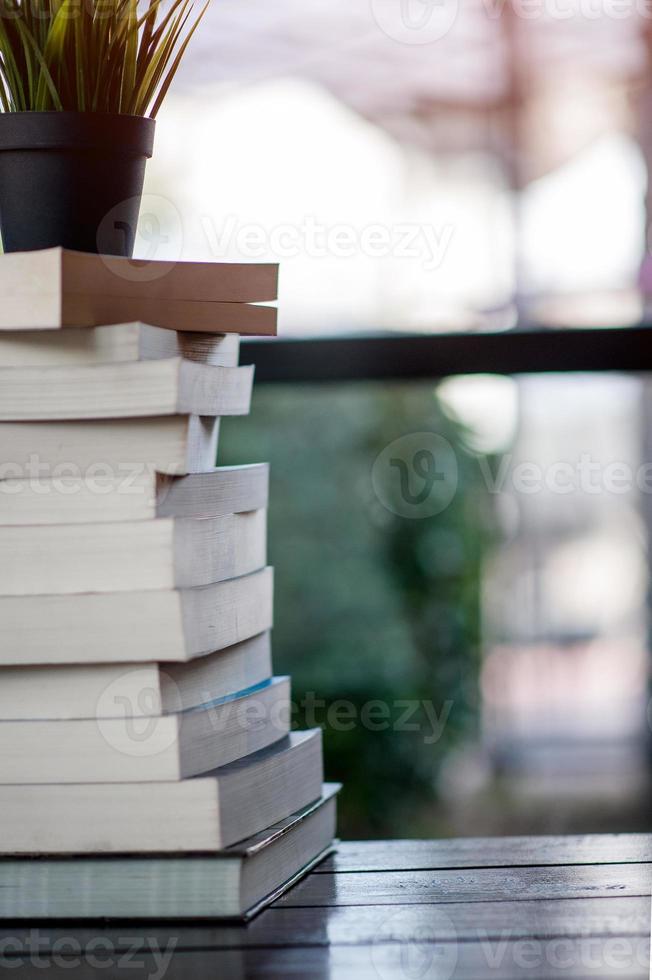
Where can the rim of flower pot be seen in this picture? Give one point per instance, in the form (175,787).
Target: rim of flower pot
(54,130)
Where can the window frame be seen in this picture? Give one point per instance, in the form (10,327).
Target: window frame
(401,357)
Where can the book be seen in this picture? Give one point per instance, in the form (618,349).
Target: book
(115,344)
(122,627)
(152,388)
(57,288)
(232,884)
(65,691)
(164,553)
(204,813)
(39,313)
(59,271)
(139,496)
(156,749)
(105,448)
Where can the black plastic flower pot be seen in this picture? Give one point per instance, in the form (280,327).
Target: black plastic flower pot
(73,179)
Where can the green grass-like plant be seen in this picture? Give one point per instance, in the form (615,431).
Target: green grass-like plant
(91,55)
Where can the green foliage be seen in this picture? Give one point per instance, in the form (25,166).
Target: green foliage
(91,55)
(369,606)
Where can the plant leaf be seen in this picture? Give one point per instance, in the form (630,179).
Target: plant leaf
(175,64)
(91,55)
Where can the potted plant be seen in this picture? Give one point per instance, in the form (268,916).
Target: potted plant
(81,82)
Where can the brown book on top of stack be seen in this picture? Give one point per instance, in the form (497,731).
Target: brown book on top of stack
(56,288)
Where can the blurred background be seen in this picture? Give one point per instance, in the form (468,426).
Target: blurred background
(425,166)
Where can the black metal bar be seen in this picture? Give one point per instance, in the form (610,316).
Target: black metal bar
(418,356)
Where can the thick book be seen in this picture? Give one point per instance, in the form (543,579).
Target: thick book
(123,627)
(169,386)
(138,496)
(164,748)
(66,691)
(57,288)
(204,813)
(236,883)
(165,553)
(120,343)
(103,448)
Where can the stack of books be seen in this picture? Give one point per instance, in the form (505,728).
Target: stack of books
(147,763)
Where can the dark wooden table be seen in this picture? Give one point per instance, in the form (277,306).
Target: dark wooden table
(401,910)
